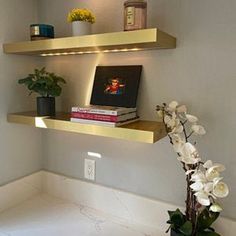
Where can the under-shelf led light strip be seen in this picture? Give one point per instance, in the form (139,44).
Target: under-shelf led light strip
(89,52)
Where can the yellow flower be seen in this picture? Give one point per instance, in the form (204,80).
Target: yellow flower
(79,14)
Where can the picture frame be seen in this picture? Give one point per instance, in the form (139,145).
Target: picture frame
(116,86)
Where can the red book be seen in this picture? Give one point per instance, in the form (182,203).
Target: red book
(104,123)
(100,117)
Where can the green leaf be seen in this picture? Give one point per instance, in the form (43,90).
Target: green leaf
(61,80)
(186,228)
(25,80)
(42,71)
(177,233)
(206,219)
(43,82)
(176,217)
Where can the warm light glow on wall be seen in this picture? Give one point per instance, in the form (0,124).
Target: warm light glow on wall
(94,154)
(96,62)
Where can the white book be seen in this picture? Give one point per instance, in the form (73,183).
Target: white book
(103,123)
(105,110)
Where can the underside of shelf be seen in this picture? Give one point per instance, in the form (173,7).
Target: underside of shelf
(96,43)
(141,131)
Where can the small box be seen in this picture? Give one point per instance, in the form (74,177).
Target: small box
(41,31)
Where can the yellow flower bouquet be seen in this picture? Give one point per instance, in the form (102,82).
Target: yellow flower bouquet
(79,14)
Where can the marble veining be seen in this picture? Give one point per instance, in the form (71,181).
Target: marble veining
(71,209)
(123,205)
(48,216)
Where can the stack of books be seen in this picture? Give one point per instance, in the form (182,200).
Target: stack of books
(104,115)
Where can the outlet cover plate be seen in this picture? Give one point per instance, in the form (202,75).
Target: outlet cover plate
(89,169)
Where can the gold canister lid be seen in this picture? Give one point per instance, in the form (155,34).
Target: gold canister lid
(135,3)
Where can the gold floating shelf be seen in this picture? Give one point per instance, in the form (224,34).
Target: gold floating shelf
(96,43)
(141,131)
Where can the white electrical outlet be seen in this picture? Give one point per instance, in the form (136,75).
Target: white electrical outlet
(89,169)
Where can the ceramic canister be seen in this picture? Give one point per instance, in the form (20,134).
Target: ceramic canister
(135,14)
(41,31)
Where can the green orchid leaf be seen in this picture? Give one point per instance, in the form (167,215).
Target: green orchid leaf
(177,233)
(206,219)
(176,218)
(186,228)
(177,211)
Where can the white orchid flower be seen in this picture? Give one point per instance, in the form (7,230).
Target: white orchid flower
(172,106)
(203,198)
(191,118)
(177,142)
(169,121)
(181,109)
(197,186)
(217,180)
(220,189)
(198,129)
(189,154)
(218,167)
(199,176)
(188,149)
(178,129)
(211,174)
(200,183)
(208,164)
(216,208)
(202,188)
(173,123)
(208,187)
(213,170)
(205,181)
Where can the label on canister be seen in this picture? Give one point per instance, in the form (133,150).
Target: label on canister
(130,15)
(34,30)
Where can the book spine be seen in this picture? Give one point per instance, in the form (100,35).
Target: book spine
(93,122)
(105,123)
(94,111)
(89,116)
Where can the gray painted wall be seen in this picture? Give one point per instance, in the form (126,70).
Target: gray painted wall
(201,73)
(20,146)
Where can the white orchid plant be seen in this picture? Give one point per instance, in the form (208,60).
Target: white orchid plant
(204,183)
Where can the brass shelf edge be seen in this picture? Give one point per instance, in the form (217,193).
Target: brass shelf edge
(141,131)
(108,42)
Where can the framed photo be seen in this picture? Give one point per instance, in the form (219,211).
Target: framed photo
(116,86)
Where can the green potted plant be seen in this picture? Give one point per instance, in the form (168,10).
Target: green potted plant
(203,178)
(46,84)
(81,20)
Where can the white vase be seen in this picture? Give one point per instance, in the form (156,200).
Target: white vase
(81,28)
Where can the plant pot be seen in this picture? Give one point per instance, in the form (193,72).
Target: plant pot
(46,106)
(81,28)
(173,233)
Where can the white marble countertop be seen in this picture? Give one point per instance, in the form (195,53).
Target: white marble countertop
(44,215)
